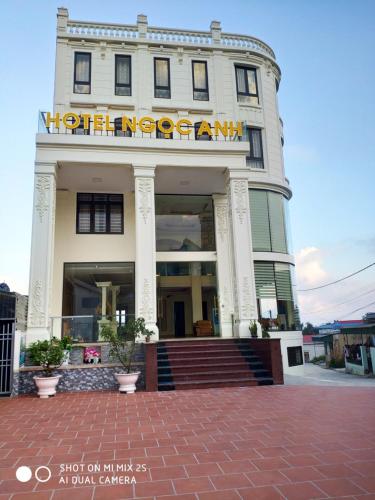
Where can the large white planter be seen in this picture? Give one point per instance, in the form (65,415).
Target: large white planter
(46,386)
(127,381)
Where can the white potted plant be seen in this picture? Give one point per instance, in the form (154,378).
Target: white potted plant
(49,354)
(122,349)
(66,343)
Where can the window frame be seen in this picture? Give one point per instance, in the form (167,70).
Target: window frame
(75,81)
(160,87)
(195,89)
(292,355)
(247,93)
(107,204)
(123,85)
(250,156)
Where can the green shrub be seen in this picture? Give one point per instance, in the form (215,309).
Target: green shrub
(122,342)
(318,359)
(265,334)
(47,353)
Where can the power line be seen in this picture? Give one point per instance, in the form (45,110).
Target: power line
(355,310)
(337,281)
(333,306)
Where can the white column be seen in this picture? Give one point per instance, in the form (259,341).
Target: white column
(145,259)
(42,247)
(243,268)
(196,291)
(115,291)
(224,264)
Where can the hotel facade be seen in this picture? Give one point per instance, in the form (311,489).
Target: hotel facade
(160,189)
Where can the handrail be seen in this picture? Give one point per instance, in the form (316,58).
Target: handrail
(167,35)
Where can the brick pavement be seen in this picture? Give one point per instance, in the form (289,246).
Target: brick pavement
(241,443)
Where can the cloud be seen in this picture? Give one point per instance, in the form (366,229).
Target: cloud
(309,267)
(315,267)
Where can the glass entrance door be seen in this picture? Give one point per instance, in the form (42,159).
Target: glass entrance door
(187,301)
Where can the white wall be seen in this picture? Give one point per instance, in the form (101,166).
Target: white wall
(289,339)
(72,247)
(314,350)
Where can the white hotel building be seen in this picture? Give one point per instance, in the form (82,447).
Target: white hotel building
(188,231)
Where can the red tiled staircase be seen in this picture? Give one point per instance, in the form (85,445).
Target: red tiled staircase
(198,364)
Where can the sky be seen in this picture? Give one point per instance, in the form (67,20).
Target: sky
(325,49)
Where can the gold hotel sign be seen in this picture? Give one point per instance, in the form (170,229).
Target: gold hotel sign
(146,124)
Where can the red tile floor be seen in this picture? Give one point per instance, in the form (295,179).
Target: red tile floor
(235,443)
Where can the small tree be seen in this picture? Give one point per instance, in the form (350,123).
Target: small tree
(67,343)
(123,342)
(253,327)
(47,353)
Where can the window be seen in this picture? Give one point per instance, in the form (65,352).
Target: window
(205,136)
(160,134)
(82,73)
(83,297)
(295,356)
(255,157)
(118,129)
(123,75)
(200,81)
(184,223)
(269,222)
(275,292)
(80,130)
(247,86)
(100,213)
(162,78)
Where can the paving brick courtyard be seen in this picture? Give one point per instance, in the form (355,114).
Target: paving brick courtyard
(241,443)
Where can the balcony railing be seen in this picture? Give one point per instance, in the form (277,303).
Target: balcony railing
(117,132)
(169,36)
(85,328)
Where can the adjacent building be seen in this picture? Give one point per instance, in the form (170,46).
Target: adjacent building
(160,188)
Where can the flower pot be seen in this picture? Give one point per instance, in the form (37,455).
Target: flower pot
(46,385)
(66,358)
(127,381)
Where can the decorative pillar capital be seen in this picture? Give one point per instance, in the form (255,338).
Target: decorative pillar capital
(45,168)
(236,174)
(144,170)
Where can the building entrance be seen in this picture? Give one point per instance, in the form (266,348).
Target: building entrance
(187,299)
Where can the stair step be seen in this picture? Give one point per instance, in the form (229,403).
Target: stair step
(201,344)
(207,361)
(202,367)
(222,356)
(198,349)
(213,376)
(199,384)
(198,364)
